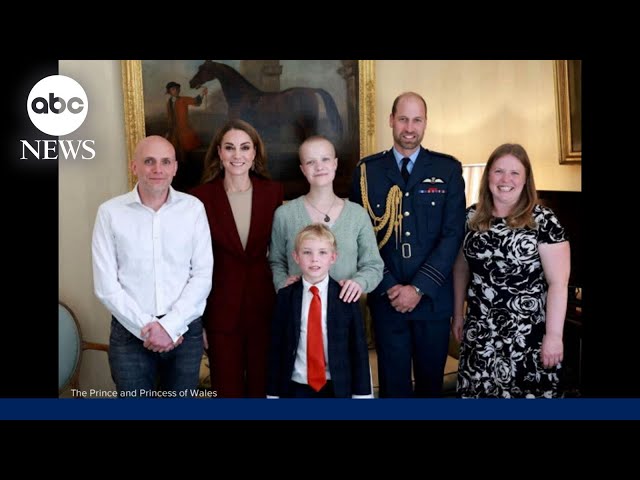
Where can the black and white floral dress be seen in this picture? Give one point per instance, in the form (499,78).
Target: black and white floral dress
(506,304)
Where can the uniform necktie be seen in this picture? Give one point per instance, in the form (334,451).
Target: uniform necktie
(404,171)
(316,376)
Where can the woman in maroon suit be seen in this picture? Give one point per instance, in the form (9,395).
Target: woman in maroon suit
(240,202)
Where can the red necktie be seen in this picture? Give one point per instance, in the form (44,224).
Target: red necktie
(316,376)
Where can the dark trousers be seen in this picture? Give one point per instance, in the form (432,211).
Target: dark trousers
(137,371)
(403,342)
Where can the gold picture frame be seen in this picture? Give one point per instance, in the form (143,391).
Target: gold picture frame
(134,108)
(568,86)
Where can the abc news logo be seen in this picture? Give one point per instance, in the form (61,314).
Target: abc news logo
(57,105)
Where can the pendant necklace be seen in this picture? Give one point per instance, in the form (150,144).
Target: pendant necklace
(327,218)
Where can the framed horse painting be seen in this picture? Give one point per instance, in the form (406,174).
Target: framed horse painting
(187,101)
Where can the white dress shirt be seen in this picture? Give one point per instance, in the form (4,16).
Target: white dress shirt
(148,263)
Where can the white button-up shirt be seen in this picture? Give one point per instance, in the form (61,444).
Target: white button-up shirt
(148,263)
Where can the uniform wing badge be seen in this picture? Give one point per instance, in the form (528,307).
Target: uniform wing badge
(433,180)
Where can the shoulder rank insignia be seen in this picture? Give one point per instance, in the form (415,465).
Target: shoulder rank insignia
(372,157)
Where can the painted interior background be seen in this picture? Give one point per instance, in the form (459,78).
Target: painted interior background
(474,106)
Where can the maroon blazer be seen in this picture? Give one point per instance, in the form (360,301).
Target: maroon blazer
(243,295)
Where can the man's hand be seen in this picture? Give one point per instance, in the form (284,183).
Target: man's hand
(403,298)
(157,339)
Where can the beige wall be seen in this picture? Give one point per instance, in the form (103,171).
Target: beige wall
(83,185)
(476,105)
(473,107)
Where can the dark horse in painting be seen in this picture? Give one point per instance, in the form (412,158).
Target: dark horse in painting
(295,108)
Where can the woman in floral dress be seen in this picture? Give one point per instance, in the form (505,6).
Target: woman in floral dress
(513,270)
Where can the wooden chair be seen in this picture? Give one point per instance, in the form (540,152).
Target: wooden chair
(70,348)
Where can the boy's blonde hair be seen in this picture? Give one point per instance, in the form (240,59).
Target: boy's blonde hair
(317,231)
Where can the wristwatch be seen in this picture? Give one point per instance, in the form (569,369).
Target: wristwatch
(418,291)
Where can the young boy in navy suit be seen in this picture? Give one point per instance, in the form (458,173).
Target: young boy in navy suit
(318,347)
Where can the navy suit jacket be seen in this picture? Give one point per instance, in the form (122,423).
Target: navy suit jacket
(433,219)
(347,347)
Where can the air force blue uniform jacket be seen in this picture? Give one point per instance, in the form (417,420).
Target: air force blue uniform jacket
(433,219)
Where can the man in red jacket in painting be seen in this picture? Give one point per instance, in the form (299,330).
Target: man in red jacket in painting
(180,133)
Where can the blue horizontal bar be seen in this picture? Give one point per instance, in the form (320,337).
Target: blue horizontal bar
(319,409)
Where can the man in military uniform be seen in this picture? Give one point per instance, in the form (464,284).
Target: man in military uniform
(415,198)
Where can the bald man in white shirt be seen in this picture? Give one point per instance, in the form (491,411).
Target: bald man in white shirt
(153,270)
